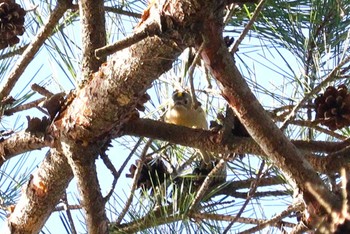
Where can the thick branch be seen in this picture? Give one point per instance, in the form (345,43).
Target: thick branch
(40,197)
(81,157)
(210,141)
(107,101)
(252,115)
(94,34)
(82,161)
(20,143)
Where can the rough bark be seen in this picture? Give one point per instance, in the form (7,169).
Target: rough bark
(252,115)
(20,143)
(211,141)
(82,161)
(81,157)
(93,34)
(38,202)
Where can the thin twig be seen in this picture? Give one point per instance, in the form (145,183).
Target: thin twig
(122,12)
(23,107)
(149,31)
(230,10)
(114,172)
(249,196)
(314,125)
(247,27)
(17,51)
(190,75)
(275,219)
(134,185)
(69,214)
(113,10)
(119,172)
(71,207)
(229,218)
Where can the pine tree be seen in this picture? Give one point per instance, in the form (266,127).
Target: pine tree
(272,77)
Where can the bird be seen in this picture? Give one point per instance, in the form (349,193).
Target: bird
(182,111)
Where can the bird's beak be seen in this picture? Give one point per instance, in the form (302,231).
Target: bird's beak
(178,103)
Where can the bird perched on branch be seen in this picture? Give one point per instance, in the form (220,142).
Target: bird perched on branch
(182,111)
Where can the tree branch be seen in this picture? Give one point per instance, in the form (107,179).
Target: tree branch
(20,143)
(39,198)
(210,141)
(82,161)
(252,115)
(93,34)
(276,220)
(128,41)
(81,156)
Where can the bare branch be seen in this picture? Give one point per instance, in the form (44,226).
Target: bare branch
(25,106)
(135,182)
(80,158)
(82,162)
(252,115)
(93,34)
(229,218)
(210,141)
(20,143)
(149,31)
(114,10)
(247,27)
(41,195)
(277,219)
(17,51)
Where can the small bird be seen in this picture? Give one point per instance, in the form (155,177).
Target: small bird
(181,111)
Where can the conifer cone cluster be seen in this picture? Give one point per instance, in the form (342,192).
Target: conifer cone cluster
(238,128)
(229,41)
(153,173)
(333,107)
(140,105)
(11,23)
(202,171)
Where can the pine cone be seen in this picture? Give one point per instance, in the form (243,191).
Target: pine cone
(203,170)
(11,23)
(152,173)
(142,99)
(239,129)
(333,107)
(229,41)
